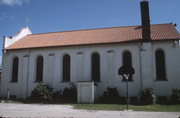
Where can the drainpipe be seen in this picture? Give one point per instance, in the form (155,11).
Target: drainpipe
(27,72)
(3,51)
(140,62)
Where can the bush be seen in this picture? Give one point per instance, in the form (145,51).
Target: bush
(70,94)
(57,96)
(162,100)
(133,100)
(12,97)
(110,96)
(148,96)
(122,100)
(42,92)
(175,96)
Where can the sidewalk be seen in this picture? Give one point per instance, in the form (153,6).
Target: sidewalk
(67,111)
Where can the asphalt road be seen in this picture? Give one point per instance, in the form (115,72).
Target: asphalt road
(67,111)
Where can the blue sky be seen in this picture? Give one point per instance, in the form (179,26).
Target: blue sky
(62,15)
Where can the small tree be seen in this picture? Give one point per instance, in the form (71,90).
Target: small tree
(175,96)
(110,96)
(70,94)
(57,96)
(148,96)
(42,92)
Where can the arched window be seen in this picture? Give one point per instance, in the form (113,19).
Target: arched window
(15,68)
(127,62)
(160,65)
(39,69)
(66,68)
(95,69)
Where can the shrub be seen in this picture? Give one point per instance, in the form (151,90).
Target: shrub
(42,92)
(122,100)
(57,96)
(175,96)
(148,96)
(110,96)
(133,100)
(162,100)
(12,97)
(70,94)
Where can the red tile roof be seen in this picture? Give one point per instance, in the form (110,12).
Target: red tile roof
(95,36)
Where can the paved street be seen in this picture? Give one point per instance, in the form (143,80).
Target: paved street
(67,111)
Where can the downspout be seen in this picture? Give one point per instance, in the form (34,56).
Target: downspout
(27,72)
(140,62)
(3,47)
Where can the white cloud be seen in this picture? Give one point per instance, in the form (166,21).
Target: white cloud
(13,2)
(5,16)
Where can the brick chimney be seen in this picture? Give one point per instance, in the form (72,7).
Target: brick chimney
(145,21)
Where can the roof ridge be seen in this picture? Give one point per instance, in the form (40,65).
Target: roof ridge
(95,29)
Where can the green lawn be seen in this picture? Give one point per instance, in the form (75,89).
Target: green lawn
(156,108)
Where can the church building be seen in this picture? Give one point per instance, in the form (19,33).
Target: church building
(151,51)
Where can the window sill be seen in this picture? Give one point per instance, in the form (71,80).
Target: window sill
(97,81)
(161,80)
(38,82)
(13,82)
(65,81)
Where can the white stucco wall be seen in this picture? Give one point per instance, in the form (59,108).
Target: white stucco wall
(143,61)
(172,63)
(22,33)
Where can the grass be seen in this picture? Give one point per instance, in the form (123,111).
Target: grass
(155,108)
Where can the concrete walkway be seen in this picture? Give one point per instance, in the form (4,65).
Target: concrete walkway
(67,111)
